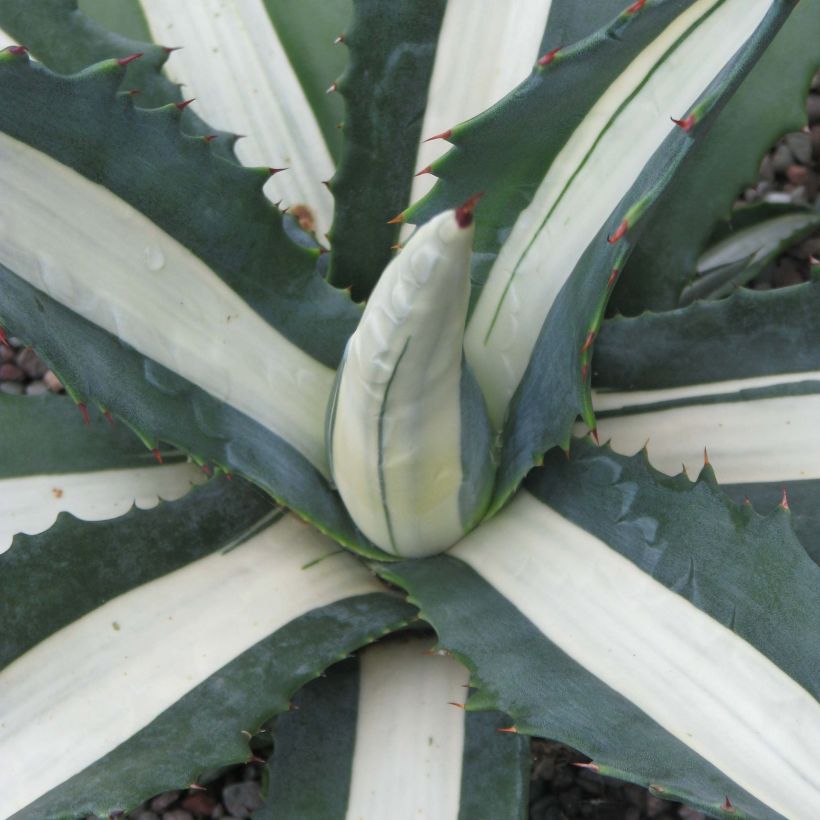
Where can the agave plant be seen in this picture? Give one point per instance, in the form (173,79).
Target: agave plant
(354,404)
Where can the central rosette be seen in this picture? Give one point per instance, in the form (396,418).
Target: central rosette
(409,440)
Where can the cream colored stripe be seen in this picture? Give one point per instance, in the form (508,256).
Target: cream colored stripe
(619,400)
(98,256)
(539,256)
(484,51)
(697,679)
(30,504)
(6,39)
(94,684)
(409,738)
(747,441)
(236,67)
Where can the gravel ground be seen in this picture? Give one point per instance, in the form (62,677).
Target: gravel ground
(560,790)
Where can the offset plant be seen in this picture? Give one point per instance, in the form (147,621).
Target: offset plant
(422,422)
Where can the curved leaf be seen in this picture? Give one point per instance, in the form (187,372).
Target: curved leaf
(197,620)
(194,288)
(382,736)
(627,616)
(744,245)
(480,57)
(530,335)
(51,463)
(235,64)
(740,377)
(678,230)
(66,40)
(392,47)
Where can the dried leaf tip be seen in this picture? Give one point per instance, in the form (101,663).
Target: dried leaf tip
(593,767)
(784,500)
(464,212)
(457,705)
(157,455)
(510,730)
(124,61)
(706,458)
(549,57)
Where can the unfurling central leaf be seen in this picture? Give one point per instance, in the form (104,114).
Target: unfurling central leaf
(409,440)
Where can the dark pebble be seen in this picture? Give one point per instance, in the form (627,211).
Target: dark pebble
(199,804)
(814,108)
(30,362)
(11,373)
(564,778)
(570,800)
(164,801)
(177,814)
(797,174)
(241,799)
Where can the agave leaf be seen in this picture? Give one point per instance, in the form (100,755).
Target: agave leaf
(530,335)
(744,245)
(51,463)
(740,377)
(236,65)
(197,620)
(66,40)
(307,31)
(123,17)
(480,57)
(220,337)
(626,615)
(392,47)
(666,254)
(383,736)
(569,22)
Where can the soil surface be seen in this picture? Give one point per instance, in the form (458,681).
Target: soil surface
(560,789)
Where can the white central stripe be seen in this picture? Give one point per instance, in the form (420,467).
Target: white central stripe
(507,36)
(103,259)
(729,702)
(539,256)
(30,504)
(92,685)
(747,441)
(409,739)
(234,64)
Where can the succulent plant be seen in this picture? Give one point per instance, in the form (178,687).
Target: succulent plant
(332,483)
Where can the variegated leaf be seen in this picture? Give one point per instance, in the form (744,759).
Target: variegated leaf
(738,377)
(647,621)
(386,735)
